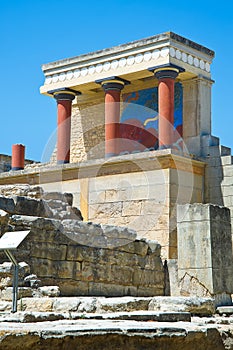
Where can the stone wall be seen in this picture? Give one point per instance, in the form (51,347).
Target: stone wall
(87,131)
(205,251)
(82,258)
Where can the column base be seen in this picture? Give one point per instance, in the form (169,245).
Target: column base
(109,155)
(16,168)
(62,161)
(166,146)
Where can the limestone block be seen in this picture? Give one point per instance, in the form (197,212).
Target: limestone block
(137,247)
(67,269)
(148,278)
(111,209)
(58,196)
(21,190)
(193,144)
(71,287)
(66,304)
(29,206)
(131,208)
(44,268)
(5,306)
(23,292)
(103,289)
(153,206)
(195,305)
(150,291)
(7,204)
(97,197)
(122,274)
(123,259)
(119,232)
(126,304)
(152,262)
(209,140)
(227,160)
(205,248)
(190,212)
(116,195)
(35,304)
(49,291)
(228,171)
(87,304)
(47,251)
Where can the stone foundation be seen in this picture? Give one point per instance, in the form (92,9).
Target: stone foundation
(81,258)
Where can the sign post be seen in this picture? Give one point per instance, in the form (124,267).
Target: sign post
(8,242)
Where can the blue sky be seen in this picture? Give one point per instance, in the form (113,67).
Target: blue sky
(36,32)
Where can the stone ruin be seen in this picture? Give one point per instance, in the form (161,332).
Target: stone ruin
(78,280)
(77,258)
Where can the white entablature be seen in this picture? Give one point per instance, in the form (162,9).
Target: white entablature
(129,61)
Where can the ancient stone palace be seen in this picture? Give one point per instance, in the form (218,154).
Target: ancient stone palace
(134,148)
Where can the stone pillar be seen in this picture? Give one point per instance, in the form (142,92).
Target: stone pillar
(112,87)
(166,76)
(17,159)
(64,98)
(205,261)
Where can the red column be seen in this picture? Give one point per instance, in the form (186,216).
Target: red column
(112,88)
(17,159)
(112,119)
(166,77)
(64,99)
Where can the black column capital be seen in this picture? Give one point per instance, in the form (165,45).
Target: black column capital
(112,83)
(64,94)
(166,71)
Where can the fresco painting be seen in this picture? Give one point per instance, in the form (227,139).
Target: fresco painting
(139,119)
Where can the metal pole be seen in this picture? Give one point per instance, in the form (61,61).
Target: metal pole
(15,280)
(15,289)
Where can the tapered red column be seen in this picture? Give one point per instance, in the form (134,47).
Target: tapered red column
(17,159)
(166,76)
(112,87)
(166,79)
(112,117)
(64,99)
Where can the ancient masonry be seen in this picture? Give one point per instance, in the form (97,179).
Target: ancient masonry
(136,202)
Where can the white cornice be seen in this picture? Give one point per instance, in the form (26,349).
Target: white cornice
(128,58)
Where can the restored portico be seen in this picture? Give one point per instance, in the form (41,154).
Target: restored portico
(161,63)
(134,147)
(150,97)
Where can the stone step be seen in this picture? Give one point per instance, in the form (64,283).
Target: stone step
(225,310)
(27,317)
(102,305)
(113,334)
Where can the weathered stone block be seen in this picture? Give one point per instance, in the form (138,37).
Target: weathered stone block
(35,304)
(67,304)
(205,250)
(29,206)
(49,291)
(67,269)
(7,204)
(7,294)
(46,251)
(195,305)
